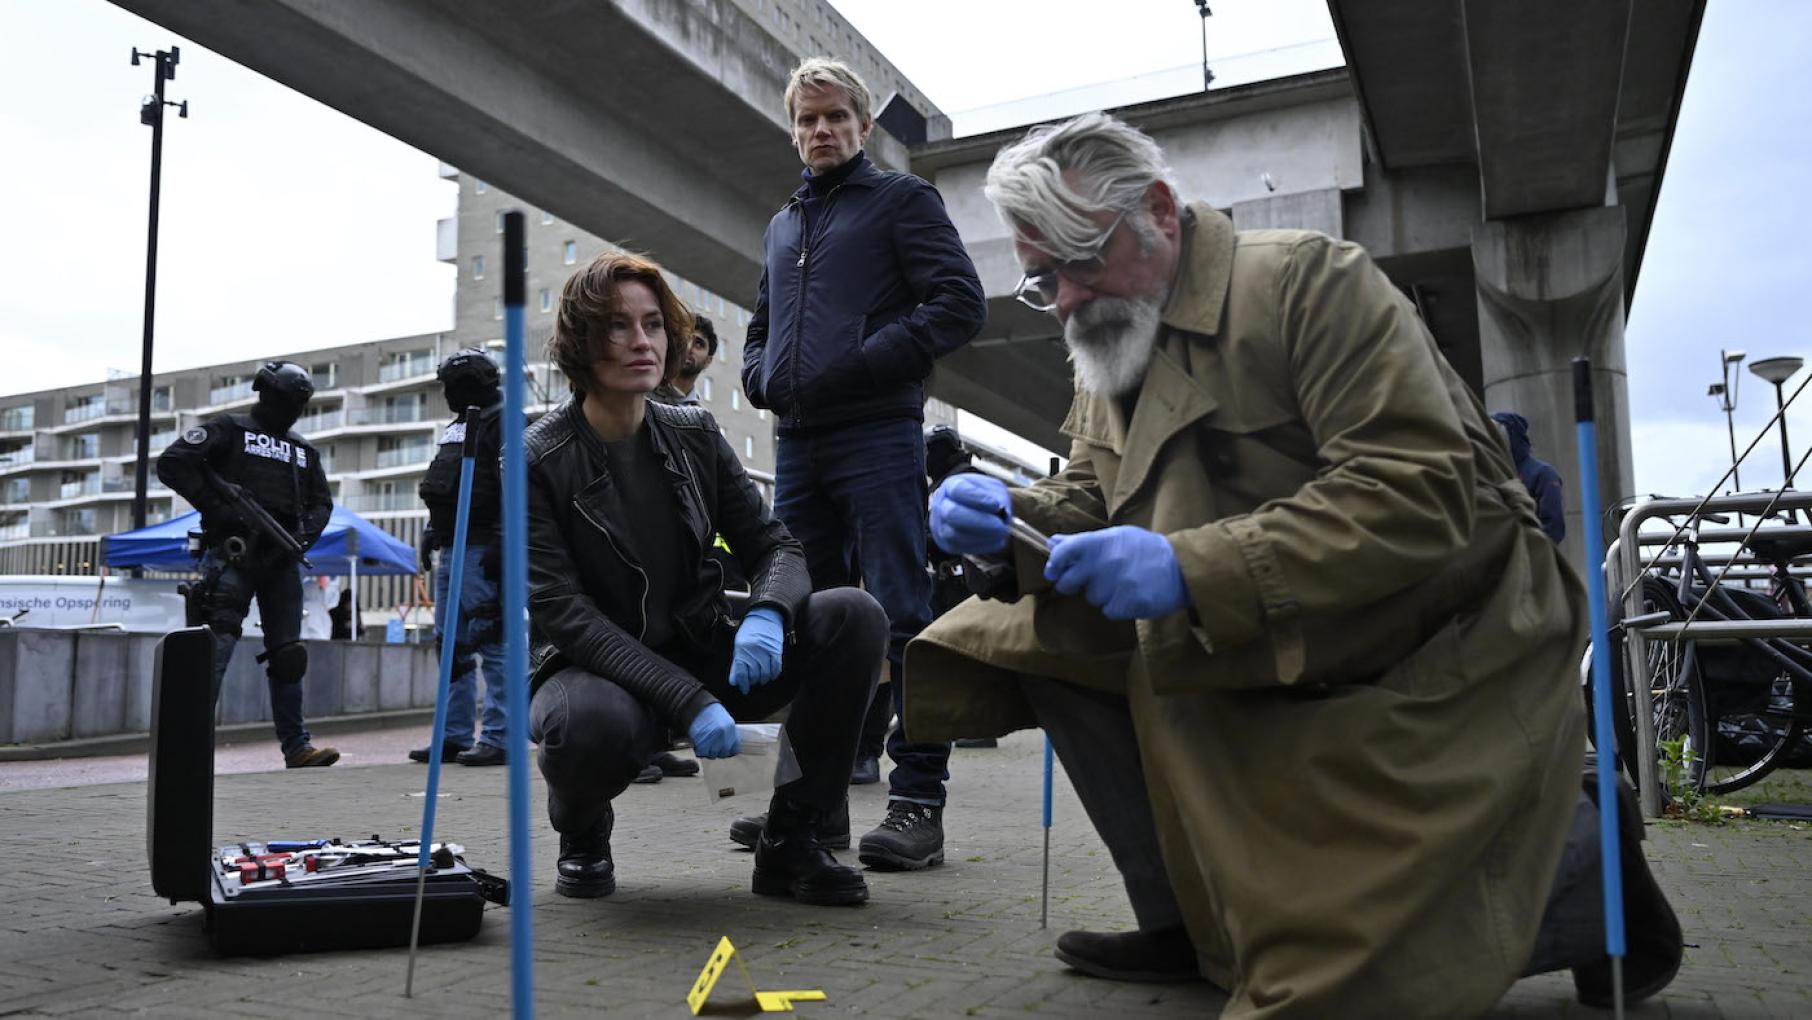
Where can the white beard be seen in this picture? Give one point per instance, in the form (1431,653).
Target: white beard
(1110,341)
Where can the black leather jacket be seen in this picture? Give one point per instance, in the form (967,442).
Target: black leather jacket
(586,584)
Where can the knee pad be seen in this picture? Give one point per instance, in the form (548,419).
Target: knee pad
(286,663)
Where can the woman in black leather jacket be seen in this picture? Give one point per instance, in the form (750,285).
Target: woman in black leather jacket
(625,496)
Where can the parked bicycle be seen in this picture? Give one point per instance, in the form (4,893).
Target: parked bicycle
(1738,709)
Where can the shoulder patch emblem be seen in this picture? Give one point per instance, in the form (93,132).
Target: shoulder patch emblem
(195,436)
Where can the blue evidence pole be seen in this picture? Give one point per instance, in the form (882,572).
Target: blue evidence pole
(1602,738)
(449,626)
(515,616)
(1044,905)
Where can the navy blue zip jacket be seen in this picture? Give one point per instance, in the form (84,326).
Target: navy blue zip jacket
(864,284)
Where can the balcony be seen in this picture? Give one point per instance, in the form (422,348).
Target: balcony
(229,394)
(446,239)
(84,411)
(406,368)
(381,502)
(14,532)
(89,486)
(17,419)
(401,414)
(414,453)
(23,455)
(310,424)
(15,496)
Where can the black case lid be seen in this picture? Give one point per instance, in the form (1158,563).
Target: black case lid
(179,802)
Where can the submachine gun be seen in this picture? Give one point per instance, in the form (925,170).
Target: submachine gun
(264,527)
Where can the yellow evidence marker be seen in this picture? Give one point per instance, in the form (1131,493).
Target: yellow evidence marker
(721,957)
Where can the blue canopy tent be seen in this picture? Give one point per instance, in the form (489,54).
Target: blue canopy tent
(350,545)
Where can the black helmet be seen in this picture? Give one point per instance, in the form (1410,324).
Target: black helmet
(469,379)
(283,389)
(944,451)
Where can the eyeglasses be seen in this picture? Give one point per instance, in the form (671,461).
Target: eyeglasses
(1039,292)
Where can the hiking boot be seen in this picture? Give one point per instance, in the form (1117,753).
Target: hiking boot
(651,773)
(308,756)
(483,754)
(448,752)
(909,838)
(585,868)
(1654,944)
(866,772)
(833,829)
(672,764)
(789,861)
(1165,954)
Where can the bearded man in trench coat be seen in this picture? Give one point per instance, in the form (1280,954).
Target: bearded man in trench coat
(1308,656)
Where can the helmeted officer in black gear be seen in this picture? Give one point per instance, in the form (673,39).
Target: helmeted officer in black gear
(469,379)
(257,455)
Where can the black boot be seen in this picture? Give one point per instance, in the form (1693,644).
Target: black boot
(789,861)
(1653,942)
(833,829)
(448,751)
(585,868)
(1165,954)
(672,764)
(911,837)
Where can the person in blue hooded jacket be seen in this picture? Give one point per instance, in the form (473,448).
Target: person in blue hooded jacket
(1539,476)
(864,285)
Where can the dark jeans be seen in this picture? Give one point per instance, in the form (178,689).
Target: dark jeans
(479,637)
(595,736)
(854,496)
(278,588)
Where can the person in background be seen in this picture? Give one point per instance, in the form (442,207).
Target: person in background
(700,352)
(1539,476)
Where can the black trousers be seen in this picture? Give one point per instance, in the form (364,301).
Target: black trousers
(595,736)
(277,585)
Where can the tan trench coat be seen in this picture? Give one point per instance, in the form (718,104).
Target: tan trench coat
(1363,748)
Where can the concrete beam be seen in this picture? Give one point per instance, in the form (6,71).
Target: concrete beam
(1544,77)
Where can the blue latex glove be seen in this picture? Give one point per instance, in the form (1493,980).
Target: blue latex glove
(1128,573)
(758,642)
(969,514)
(713,733)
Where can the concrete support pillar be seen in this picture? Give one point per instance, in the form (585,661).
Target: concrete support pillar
(1302,210)
(1550,289)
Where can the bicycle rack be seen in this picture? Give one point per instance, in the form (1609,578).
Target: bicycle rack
(1623,565)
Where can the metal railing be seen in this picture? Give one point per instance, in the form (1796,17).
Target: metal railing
(89,486)
(1624,568)
(379,502)
(401,414)
(11,532)
(414,453)
(23,455)
(406,368)
(84,411)
(309,424)
(17,419)
(230,393)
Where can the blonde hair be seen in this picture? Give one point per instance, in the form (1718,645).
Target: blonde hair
(825,73)
(586,304)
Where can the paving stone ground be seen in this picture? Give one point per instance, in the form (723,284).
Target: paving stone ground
(81,933)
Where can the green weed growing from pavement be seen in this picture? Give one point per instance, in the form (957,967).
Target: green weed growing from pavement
(1686,801)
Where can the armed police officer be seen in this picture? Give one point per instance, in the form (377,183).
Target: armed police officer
(264,500)
(469,380)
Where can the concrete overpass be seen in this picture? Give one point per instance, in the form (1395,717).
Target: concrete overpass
(1500,158)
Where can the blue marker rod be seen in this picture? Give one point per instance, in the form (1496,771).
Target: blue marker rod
(1601,666)
(515,616)
(449,626)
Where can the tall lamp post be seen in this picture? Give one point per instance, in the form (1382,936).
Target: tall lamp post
(151,114)
(1778,371)
(1726,394)
(1201,7)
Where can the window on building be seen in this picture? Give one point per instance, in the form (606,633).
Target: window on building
(478,267)
(704,387)
(762,413)
(748,446)
(85,446)
(735,399)
(570,253)
(497,308)
(326,374)
(547,300)
(500,221)
(17,419)
(478,186)
(18,490)
(546,217)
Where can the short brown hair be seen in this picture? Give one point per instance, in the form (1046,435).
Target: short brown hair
(824,73)
(586,304)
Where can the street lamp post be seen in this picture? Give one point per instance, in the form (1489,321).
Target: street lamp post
(151,114)
(1201,7)
(1778,371)
(1726,394)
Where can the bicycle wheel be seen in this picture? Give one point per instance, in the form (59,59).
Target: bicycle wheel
(1723,769)
(1666,698)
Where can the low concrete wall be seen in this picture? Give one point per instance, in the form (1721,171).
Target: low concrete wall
(63,685)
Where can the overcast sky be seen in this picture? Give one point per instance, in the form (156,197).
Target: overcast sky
(289,226)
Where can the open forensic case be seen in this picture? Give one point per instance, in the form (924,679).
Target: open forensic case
(281,896)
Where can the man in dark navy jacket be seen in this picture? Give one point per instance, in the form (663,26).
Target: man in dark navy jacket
(865,284)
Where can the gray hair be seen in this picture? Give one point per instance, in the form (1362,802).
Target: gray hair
(816,73)
(1113,166)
